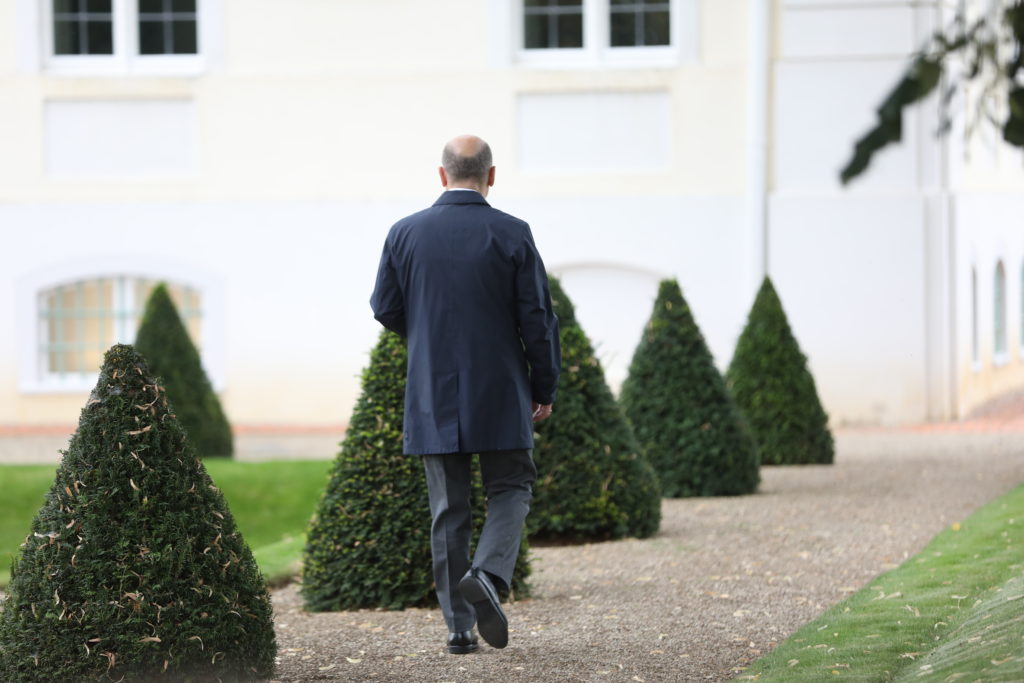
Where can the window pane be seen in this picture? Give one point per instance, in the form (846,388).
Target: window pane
(656,28)
(623,26)
(151,38)
(99,6)
(151,6)
(100,37)
(536,3)
(571,3)
(184,37)
(183,5)
(536,29)
(66,39)
(66,6)
(570,30)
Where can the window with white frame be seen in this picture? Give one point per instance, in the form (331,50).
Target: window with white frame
(999,312)
(557,31)
(635,23)
(122,35)
(79,321)
(552,24)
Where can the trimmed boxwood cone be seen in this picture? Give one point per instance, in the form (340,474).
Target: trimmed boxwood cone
(774,389)
(134,569)
(164,342)
(682,413)
(593,482)
(369,542)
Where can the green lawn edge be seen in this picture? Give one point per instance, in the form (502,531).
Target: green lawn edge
(941,609)
(271,502)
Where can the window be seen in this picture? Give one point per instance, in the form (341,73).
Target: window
(83,27)
(999,313)
(553,23)
(167,27)
(80,320)
(117,36)
(605,31)
(639,22)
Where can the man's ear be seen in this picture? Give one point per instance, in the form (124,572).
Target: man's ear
(490,177)
(444,176)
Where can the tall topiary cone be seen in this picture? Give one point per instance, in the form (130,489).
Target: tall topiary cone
(134,569)
(164,342)
(369,542)
(682,413)
(593,482)
(772,386)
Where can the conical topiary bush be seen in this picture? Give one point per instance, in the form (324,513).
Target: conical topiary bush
(593,482)
(682,414)
(774,389)
(164,342)
(134,569)
(369,542)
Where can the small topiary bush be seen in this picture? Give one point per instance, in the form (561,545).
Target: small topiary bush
(369,542)
(682,413)
(593,482)
(164,342)
(134,569)
(772,386)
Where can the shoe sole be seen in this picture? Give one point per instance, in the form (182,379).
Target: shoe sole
(490,622)
(462,649)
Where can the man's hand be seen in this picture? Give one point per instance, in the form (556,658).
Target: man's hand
(541,412)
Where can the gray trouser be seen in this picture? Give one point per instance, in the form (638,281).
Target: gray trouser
(507,478)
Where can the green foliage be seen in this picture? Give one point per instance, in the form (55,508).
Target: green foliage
(134,569)
(593,482)
(991,50)
(164,342)
(774,389)
(675,398)
(369,543)
(951,613)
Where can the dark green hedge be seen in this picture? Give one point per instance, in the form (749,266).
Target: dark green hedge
(164,342)
(770,381)
(682,414)
(369,543)
(593,482)
(134,569)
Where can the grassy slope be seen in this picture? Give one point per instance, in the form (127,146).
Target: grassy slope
(271,502)
(953,608)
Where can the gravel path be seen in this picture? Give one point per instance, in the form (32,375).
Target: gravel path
(724,581)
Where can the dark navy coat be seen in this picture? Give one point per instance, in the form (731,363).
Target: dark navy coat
(463,282)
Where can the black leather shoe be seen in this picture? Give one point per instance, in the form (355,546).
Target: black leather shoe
(462,643)
(477,588)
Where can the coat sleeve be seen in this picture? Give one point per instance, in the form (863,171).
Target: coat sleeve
(538,324)
(387,301)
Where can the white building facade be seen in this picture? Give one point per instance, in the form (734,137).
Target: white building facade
(253,155)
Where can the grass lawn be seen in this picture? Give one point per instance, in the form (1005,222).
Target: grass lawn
(955,612)
(271,502)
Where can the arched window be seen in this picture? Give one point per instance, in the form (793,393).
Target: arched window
(975,347)
(80,320)
(999,312)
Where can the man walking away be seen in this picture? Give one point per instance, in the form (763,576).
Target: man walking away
(463,282)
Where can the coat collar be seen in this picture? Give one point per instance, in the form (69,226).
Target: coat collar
(461,197)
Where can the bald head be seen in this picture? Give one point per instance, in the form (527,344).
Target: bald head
(467,162)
